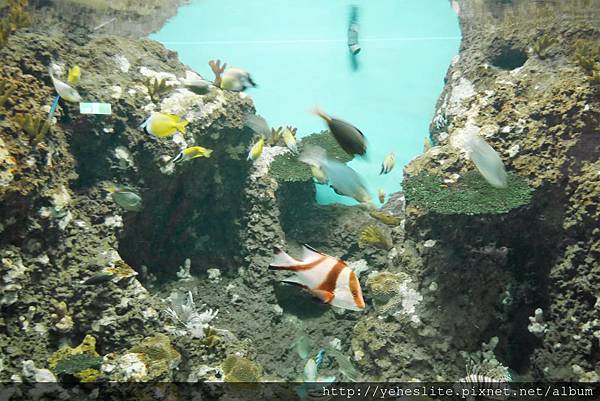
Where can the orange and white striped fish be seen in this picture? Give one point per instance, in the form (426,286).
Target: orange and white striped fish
(328,278)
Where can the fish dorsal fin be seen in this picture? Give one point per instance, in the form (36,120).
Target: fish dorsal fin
(283,261)
(309,253)
(357,130)
(173,117)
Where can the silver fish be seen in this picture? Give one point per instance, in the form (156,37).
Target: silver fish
(127,199)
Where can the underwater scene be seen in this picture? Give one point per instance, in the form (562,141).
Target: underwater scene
(299,199)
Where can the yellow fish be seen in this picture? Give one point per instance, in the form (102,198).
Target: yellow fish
(162,125)
(256,149)
(74,75)
(191,153)
(290,140)
(388,163)
(381,195)
(318,174)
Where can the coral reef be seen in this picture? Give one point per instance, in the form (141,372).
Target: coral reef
(241,370)
(217,69)
(157,89)
(184,312)
(153,359)
(36,127)
(15,17)
(83,361)
(6,89)
(541,44)
(386,218)
(587,55)
(374,236)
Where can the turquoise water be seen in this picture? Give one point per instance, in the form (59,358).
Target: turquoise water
(296,51)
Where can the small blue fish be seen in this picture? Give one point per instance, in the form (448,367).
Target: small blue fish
(319,358)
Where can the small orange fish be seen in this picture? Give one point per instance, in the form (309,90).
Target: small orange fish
(327,278)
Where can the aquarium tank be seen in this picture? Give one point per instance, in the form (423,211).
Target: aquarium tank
(299,199)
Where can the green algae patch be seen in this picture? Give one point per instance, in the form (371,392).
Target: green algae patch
(83,361)
(470,195)
(75,364)
(287,167)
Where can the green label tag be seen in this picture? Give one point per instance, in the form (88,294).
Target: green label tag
(95,108)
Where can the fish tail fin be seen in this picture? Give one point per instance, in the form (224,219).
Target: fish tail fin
(382,169)
(251,81)
(177,158)
(313,155)
(317,111)
(257,124)
(207,152)
(282,261)
(53,108)
(181,126)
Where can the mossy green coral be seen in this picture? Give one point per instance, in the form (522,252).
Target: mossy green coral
(287,167)
(470,195)
(241,370)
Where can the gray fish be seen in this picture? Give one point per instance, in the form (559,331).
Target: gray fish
(302,346)
(343,179)
(126,198)
(258,124)
(487,161)
(196,83)
(98,278)
(347,135)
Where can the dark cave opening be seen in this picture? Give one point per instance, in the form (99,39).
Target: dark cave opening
(509,58)
(191,213)
(187,217)
(91,148)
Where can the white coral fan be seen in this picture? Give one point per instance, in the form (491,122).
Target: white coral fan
(184,312)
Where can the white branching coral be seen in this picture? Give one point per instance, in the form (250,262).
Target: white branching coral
(184,312)
(536,323)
